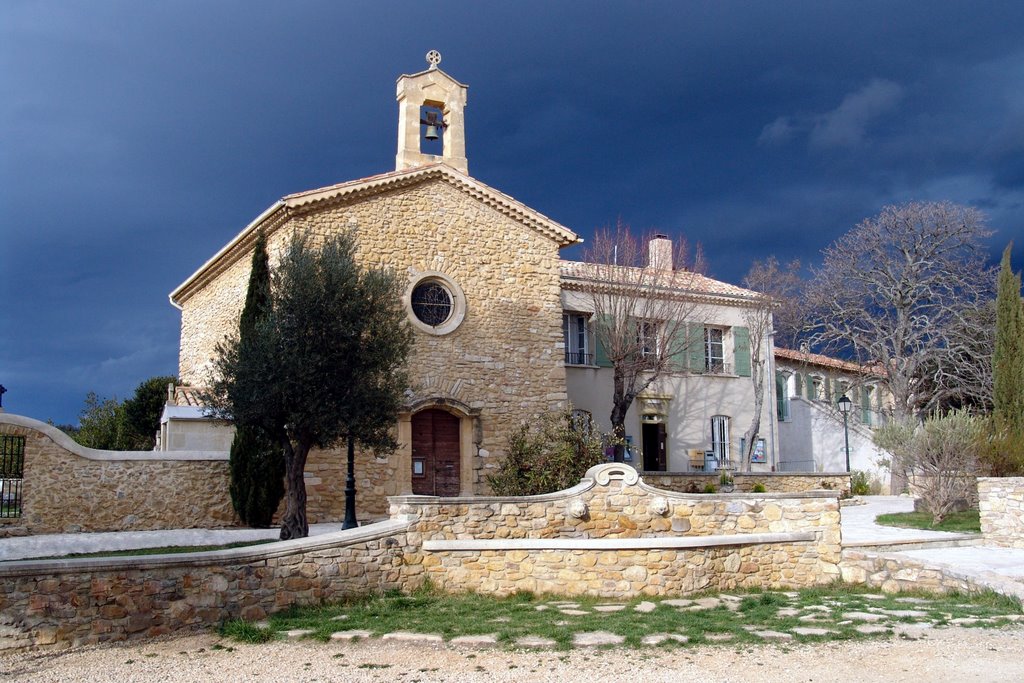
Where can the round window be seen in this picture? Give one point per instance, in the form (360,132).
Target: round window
(431,303)
(435,303)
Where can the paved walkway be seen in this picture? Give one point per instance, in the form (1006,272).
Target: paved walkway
(859,525)
(49,545)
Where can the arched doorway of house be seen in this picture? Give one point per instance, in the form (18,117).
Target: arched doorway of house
(435,453)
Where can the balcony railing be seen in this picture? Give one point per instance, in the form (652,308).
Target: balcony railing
(715,367)
(578,358)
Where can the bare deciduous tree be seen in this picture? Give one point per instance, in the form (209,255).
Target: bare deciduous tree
(892,291)
(779,288)
(642,292)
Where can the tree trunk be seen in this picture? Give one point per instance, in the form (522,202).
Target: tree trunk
(750,438)
(294,523)
(620,405)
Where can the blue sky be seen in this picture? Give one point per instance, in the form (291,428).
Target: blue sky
(136,138)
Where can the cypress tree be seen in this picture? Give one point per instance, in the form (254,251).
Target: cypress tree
(1008,372)
(256,463)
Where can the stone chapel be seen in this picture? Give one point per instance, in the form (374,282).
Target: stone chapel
(482,293)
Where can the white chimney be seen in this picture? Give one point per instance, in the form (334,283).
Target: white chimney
(659,253)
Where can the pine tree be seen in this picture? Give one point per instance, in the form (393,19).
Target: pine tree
(1008,372)
(256,463)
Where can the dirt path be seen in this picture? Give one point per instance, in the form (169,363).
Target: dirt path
(948,654)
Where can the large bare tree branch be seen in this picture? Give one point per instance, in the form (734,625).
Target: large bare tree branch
(893,290)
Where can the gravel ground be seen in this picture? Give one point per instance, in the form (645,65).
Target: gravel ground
(948,654)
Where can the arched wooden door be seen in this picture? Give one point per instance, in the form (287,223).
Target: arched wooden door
(435,453)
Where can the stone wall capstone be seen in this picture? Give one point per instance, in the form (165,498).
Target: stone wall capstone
(773,482)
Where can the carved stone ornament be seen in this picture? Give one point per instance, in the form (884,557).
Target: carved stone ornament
(604,474)
(577,509)
(659,507)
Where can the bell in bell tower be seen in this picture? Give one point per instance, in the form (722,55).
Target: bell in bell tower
(430,105)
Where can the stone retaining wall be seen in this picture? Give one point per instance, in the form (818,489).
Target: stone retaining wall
(109,599)
(69,488)
(1001,502)
(893,572)
(613,505)
(773,482)
(612,535)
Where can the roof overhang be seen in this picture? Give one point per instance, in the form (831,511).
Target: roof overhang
(304,202)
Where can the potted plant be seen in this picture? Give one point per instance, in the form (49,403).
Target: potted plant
(725,482)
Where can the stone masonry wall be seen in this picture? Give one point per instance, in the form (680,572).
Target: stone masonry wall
(641,535)
(774,482)
(610,536)
(893,573)
(110,599)
(65,491)
(505,360)
(1001,502)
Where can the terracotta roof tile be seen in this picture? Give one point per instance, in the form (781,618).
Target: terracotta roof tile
(683,280)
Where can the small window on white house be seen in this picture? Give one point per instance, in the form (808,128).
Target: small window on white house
(866,413)
(714,350)
(576,335)
(720,439)
(817,389)
(647,339)
(782,396)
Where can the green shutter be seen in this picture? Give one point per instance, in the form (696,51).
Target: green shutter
(695,346)
(865,406)
(600,354)
(679,349)
(799,383)
(828,390)
(741,350)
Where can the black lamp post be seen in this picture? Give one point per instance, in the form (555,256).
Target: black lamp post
(845,404)
(350,487)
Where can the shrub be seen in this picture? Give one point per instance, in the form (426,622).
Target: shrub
(549,454)
(860,483)
(710,488)
(758,488)
(940,455)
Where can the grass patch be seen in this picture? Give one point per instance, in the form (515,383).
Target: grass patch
(705,618)
(246,632)
(967,521)
(164,550)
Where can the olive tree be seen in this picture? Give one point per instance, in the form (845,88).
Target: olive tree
(326,365)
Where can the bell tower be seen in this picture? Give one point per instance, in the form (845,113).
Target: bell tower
(440,93)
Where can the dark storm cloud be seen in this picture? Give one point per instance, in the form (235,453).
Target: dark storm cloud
(137,138)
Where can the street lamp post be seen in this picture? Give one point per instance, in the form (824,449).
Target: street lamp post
(350,487)
(845,404)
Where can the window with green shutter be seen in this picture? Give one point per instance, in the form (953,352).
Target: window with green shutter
(741,350)
(695,346)
(781,397)
(865,405)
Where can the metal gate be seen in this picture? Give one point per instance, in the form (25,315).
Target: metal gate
(12,469)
